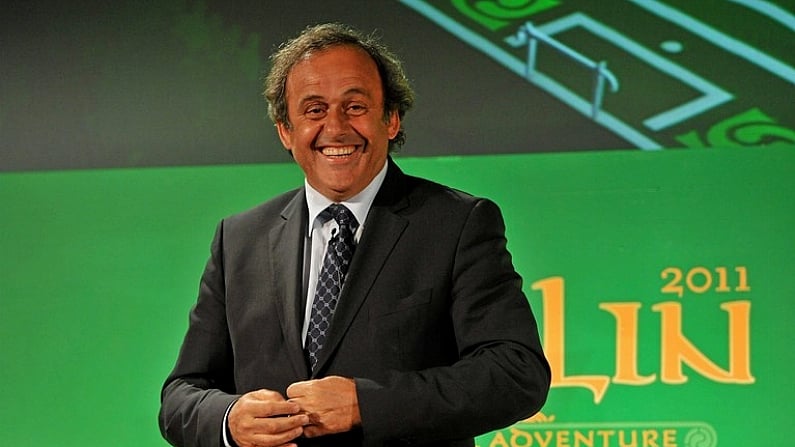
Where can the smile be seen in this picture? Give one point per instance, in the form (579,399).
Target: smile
(338,151)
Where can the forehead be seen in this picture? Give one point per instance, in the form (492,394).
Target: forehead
(339,67)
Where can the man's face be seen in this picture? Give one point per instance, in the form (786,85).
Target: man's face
(337,131)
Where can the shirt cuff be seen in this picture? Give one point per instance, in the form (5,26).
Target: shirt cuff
(226,434)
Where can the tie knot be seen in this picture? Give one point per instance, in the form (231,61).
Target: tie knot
(343,216)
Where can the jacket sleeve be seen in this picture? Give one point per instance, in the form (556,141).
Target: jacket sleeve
(199,390)
(501,375)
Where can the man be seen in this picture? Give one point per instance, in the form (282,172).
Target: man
(409,329)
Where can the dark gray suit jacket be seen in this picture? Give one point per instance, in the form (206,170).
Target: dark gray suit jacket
(431,323)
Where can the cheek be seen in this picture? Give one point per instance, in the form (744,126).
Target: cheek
(372,129)
(305,135)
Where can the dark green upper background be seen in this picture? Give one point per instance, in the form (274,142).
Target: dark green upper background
(95,84)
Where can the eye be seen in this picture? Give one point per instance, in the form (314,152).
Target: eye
(315,111)
(356,109)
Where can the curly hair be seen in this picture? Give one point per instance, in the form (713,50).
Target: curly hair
(398,95)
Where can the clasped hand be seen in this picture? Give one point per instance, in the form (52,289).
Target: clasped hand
(264,418)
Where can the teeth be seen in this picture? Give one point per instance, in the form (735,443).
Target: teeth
(336,151)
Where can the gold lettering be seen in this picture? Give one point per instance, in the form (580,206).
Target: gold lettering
(722,280)
(626,315)
(545,441)
(739,341)
(669,438)
(650,438)
(616,437)
(583,440)
(553,297)
(705,285)
(742,273)
(562,439)
(633,442)
(605,434)
(499,441)
(673,285)
(676,349)
(521,438)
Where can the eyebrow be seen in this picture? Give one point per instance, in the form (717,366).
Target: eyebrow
(349,92)
(310,98)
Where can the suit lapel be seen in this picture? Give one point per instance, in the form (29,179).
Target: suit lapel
(286,254)
(382,231)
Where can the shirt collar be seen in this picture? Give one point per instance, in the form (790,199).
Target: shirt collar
(358,204)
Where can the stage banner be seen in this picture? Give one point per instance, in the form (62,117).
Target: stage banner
(662,283)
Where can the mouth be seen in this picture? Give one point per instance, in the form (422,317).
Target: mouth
(338,151)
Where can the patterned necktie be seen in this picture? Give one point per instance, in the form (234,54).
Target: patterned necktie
(329,283)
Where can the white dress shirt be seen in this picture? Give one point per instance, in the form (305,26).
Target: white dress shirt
(320,232)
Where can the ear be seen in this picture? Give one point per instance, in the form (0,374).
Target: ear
(393,124)
(285,135)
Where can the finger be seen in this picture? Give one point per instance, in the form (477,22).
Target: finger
(278,437)
(281,439)
(265,395)
(327,427)
(313,431)
(269,431)
(271,409)
(298,389)
(264,404)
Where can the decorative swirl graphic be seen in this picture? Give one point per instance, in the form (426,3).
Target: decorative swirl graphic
(760,133)
(495,14)
(750,128)
(701,437)
(540,418)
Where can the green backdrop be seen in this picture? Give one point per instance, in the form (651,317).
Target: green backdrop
(663,283)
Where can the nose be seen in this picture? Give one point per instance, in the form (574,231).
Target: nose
(336,123)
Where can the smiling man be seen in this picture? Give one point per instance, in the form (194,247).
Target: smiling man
(368,307)
(336,127)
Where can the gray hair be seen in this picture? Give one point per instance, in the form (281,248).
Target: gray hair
(398,95)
